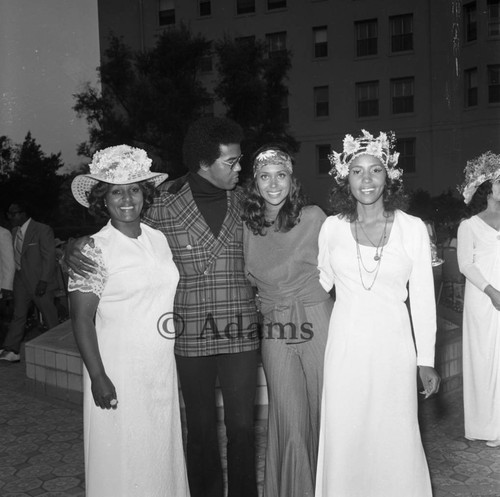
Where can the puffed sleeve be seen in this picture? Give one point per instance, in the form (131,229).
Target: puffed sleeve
(465,255)
(422,296)
(95,282)
(326,276)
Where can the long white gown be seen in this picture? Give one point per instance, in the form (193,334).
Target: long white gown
(136,449)
(478,251)
(370,444)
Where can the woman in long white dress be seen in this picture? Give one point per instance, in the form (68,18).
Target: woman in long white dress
(478,251)
(370,444)
(132,428)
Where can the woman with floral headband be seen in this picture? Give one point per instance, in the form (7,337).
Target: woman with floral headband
(132,428)
(281,251)
(478,251)
(370,443)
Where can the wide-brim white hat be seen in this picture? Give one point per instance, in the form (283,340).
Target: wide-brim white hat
(119,165)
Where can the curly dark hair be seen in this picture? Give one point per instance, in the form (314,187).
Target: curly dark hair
(204,138)
(479,200)
(343,202)
(254,206)
(98,193)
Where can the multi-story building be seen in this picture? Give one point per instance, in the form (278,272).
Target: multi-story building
(429,70)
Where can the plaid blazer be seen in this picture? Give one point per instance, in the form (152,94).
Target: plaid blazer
(214,300)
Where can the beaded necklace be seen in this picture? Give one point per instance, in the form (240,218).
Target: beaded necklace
(379,251)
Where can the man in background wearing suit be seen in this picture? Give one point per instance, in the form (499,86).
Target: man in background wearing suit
(34,278)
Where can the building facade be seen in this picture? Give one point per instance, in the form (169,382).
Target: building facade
(429,70)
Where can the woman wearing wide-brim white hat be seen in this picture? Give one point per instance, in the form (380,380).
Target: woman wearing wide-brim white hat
(119,165)
(132,427)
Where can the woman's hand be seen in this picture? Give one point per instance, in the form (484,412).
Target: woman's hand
(430,380)
(104,392)
(494,296)
(75,260)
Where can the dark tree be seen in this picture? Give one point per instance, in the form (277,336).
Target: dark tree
(252,86)
(148,98)
(32,178)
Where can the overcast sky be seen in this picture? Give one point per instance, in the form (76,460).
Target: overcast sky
(48,50)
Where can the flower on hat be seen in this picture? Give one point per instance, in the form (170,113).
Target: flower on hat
(120,163)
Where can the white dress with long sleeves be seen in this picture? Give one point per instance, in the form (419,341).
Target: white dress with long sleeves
(478,252)
(370,444)
(134,450)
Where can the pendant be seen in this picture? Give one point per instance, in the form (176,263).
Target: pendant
(376,257)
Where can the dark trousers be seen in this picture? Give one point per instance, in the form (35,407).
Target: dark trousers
(23,297)
(237,374)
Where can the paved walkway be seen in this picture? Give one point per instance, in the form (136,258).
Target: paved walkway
(41,449)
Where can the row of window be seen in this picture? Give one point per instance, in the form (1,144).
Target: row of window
(402,91)
(367,98)
(405,146)
(470,20)
(400,31)
(401,27)
(471,85)
(166,13)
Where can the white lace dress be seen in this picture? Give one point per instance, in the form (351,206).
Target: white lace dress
(136,449)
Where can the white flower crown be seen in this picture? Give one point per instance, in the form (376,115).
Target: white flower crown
(485,167)
(379,147)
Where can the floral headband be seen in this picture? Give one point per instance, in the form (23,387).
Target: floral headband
(484,168)
(366,144)
(272,156)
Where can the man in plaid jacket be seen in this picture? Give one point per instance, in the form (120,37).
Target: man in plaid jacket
(216,321)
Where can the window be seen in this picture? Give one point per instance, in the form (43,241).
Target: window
(366,37)
(367,98)
(322,152)
(493,17)
(406,148)
(276,43)
(470,85)
(401,33)
(245,6)
(470,21)
(166,13)
(276,4)
(402,91)
(494,84)
(320,41)
(205,8)
(321,101)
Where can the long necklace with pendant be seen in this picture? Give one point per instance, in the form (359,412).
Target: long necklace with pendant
(380,243)
(377,257)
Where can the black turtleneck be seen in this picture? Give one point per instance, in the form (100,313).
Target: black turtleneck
(210,200)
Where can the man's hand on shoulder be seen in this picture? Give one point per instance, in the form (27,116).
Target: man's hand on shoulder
(74,259)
